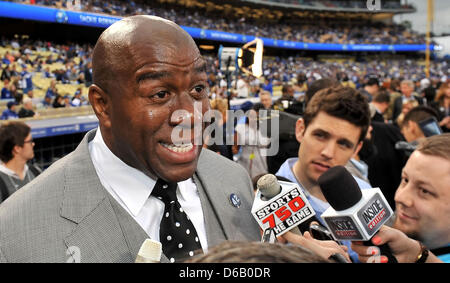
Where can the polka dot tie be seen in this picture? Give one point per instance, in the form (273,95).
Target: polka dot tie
(177,234)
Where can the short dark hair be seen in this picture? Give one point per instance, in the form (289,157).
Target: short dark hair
(12,134)
(382,97)
(419,113)
(319,85)
(341,102)
(256,252)
(373,81)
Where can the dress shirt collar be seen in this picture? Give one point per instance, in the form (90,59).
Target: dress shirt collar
(131,185)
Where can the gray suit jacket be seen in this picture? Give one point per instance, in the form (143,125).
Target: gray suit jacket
(66,215)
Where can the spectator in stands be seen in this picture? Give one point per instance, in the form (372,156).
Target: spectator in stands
(36,100)
(371,88)
(332,129)
(52,91)
(7,73)
(47,101)
(26,81)
(27,109)
(242,87)
(47,74)
(442,105)
(410,126)
(265,99)
(58,102)
(67,100)
(6,92)
(10,113)
(423,197)
(394,90)
(252,144)
(16,150)
(379,105)
(407,101)
(88,74)
(76,99)
(287,102)
(268,86)
(225,149)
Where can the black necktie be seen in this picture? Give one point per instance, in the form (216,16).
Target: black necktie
(177,234)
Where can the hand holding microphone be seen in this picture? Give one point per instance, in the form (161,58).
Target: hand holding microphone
(354,214)
(405,249)
(325,249)
(279,208)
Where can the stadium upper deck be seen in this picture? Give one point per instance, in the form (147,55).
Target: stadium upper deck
(349,24)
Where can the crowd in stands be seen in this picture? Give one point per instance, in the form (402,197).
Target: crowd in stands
(43,75)
(393,4)
(57,75)
(309,31)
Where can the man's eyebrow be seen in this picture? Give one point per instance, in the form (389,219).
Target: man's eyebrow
(153,76)
(327,134)
(347,142)
(201,68)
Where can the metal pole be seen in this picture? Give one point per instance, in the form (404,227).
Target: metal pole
(430,18)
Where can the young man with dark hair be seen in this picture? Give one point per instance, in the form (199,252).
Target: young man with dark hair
(16,149)
(331,131)
(379,105)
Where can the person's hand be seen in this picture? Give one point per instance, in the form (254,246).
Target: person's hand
(445,122)
(403,248)
(324,249)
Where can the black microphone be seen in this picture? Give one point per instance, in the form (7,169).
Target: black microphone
(406,147)
(354,214)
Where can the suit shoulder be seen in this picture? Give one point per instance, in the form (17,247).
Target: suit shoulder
(210,159)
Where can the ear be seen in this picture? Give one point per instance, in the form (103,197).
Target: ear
(299,129)
(101,103)
(416,130)
(358,148)
(16,150)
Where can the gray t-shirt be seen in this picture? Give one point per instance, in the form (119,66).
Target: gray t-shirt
(13,183)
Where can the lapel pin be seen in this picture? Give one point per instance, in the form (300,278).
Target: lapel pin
(235,200)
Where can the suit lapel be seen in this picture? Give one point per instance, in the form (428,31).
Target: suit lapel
(99,234)
(215,195)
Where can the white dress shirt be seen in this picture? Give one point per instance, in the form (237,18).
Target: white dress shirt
(131,189)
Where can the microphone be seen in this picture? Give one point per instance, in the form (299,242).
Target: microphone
(407,147)
(150,252)
(279,207)
(354,214)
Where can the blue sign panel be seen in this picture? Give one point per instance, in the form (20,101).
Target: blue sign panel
(38,13)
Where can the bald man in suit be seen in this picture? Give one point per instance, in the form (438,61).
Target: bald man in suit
(96,204)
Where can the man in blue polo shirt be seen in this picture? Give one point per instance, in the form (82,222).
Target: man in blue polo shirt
(10,113)
(331,131)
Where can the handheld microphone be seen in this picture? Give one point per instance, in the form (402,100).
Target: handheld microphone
(354,214)
(150,252)
(407,147)
(280,206)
